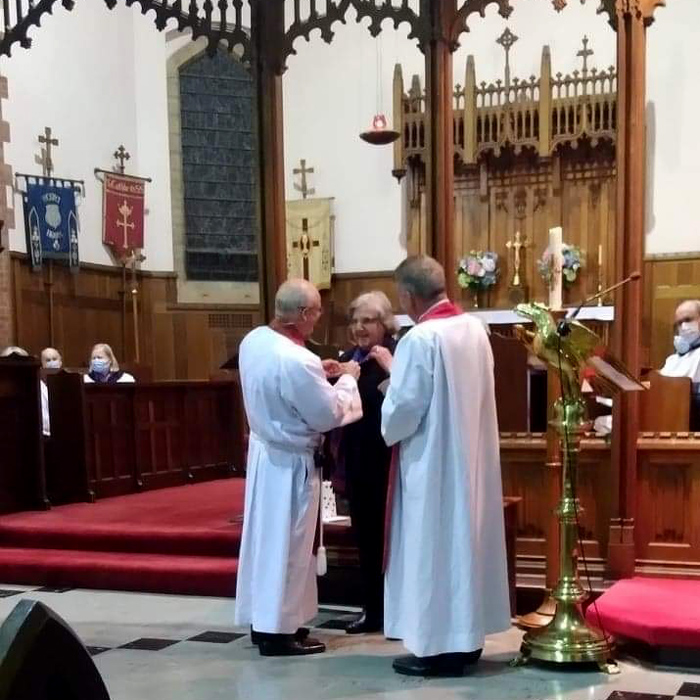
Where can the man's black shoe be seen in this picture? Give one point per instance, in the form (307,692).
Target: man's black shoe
(287,645)
(365,625)
(440,666)
(300,635)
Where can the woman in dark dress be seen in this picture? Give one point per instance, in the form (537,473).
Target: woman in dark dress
(365,453)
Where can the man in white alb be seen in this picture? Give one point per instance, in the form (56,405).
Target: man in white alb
(685,362)
(446,579)
(289,404)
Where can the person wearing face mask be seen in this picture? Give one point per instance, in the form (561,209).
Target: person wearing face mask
(685,362)
(51,359)
(104,368)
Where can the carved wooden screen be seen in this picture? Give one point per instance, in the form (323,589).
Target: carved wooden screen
(530,155)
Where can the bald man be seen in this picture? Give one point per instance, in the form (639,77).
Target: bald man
(685,362)
(289,403)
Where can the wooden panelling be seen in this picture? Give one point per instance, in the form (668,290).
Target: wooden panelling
(668,280)
(133,437)
(176,341)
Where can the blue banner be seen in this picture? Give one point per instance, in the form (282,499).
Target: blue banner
(51,221)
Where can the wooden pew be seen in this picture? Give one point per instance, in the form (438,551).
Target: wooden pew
(123,438)
(665,407)
(22,484)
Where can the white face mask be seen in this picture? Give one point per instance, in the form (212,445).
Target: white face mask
(53,364)
(687,338)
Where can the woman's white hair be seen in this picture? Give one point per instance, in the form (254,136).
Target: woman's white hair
(380,305)
(107,350)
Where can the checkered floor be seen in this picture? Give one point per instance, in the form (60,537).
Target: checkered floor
(687,690)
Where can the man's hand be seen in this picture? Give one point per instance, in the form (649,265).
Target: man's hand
(352,368)
(383,357)
(331,368)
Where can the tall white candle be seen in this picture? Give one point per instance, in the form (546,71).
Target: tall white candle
(555,248)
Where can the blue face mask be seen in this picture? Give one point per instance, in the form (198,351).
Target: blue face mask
(687,338)
(99,366)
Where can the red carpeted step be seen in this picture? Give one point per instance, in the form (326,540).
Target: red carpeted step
(660,612)
(157,573)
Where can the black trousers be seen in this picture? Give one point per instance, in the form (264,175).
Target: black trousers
(367,486)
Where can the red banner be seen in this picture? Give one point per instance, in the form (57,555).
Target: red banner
(123,213)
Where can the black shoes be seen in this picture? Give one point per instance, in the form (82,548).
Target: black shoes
(365,625)
(442,665)
(300,635)
(288,645)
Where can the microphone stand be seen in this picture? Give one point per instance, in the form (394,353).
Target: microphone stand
(563,327)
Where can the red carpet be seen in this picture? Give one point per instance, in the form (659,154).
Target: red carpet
(177,540)
(660,612)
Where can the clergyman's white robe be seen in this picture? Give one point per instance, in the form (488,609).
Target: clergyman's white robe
(289,403)
(446,580)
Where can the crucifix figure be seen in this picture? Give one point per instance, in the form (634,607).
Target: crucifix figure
(516,246)
(304,244)
(125,210)
(303,171)
(121,155)
(45,160)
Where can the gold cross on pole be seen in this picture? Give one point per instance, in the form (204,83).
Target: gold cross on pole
(303,171)
(46,160)
(125,210)
(516,246)
(121,155)
(304,244)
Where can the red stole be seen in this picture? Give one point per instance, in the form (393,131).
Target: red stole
(289,332)
(443,309)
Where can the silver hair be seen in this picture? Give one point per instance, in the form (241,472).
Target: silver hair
(380,305)
(422,276)
(292,296)
(14,350)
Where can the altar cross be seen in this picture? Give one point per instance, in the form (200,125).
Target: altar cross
(303,171)
(304,244)
(121,155)
(46,160)
(516,246)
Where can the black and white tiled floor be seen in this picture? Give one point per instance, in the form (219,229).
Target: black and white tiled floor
(159,647)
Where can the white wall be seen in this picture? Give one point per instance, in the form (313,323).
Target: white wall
(673,146)
(331,95)
(98,79)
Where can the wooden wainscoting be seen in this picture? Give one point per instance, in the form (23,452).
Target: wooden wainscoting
(668,280)
(178,341)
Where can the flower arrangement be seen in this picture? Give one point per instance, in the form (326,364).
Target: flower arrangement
(571,264)
(479,270)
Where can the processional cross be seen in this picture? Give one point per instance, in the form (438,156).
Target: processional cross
(45,160)
(304,244)
(303,171)
(121,155)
